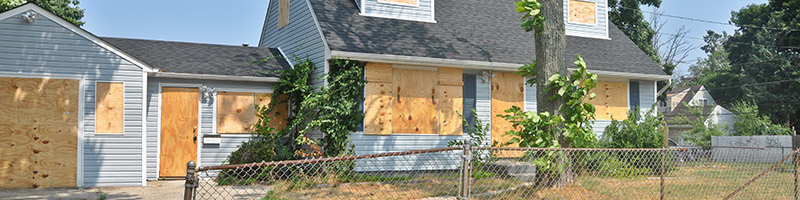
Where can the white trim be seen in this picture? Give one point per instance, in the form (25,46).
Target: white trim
(213,77)
(267,90)
(468,64)
(145,105)
(95,109)
(605,6)
(288,60)
(77,30)
(363,7)
(399,4)
(199,121)
(400,18)
(580,34)
(81,112)
(433,12)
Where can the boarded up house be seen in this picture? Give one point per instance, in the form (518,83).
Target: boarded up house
(77,110)
(428,59)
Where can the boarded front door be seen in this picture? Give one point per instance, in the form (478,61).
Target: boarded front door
(179,112)
(38,132)
(508,90)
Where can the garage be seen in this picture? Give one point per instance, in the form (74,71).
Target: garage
(38,132)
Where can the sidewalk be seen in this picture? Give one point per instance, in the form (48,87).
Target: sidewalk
(153,190)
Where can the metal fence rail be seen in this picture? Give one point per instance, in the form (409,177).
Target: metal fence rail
(509,173)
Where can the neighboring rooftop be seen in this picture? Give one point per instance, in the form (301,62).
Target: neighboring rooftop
(682,110)
(196,58)
(478,30)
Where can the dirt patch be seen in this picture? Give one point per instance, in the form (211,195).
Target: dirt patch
(153,190)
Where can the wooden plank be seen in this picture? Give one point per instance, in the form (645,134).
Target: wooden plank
(38,132)
(413,109)
(378,108)
(451,76)
(582,12)
(451,99)
(507,91)
(235,112)
(179,115)
(280,115)
(109,107)
(611,101)
(378,72)
(283,13)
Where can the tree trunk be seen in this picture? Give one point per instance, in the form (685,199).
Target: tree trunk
(551,50)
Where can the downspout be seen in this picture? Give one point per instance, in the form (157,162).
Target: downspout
(669,83)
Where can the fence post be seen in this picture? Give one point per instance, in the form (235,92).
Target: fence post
(796,164)
(663,170)
(465,168)
(188,193)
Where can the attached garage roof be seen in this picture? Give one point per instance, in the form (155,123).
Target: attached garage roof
(473,30)
(196,58)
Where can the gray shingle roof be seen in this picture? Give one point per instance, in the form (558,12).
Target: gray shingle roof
(195,58)
(478,30)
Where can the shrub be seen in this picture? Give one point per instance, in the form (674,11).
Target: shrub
(749,122)
(638,131)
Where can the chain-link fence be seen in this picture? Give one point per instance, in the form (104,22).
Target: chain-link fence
(511,173)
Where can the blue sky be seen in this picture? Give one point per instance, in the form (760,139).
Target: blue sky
(240,21)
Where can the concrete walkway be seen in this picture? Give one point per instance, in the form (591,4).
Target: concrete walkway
(153,190)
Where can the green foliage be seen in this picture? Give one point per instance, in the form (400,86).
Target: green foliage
(533,19)
(646,130)
(614,167)
(478,133)
(66,9)
(337,112)
(749,122)
(701,131)
(572,128)
(271,196)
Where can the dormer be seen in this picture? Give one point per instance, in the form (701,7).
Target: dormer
(586,18)
(416,10)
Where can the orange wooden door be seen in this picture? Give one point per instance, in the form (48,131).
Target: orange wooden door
(179,115)
(508,89)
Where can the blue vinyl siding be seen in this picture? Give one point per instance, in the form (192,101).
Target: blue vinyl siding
(300,37)
(47,48)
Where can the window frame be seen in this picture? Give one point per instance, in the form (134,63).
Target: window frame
(596,13)
(398,4)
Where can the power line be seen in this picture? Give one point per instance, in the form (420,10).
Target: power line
(745,43)
(709,21)
(737,64)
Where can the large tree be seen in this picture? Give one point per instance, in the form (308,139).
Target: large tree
(630,20)
(67,9)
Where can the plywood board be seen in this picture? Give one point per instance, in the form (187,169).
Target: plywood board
(283,13)
(451,100)
(179,115)
(611,101)
(408,2)
(280,115)
(507,91)
(378,108)
(109,106)
(451,76)
(235,112)
(582,12)
(415,102)
(378,72)
(38,132)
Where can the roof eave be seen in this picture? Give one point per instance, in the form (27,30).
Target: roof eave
(470,64)
(213,77)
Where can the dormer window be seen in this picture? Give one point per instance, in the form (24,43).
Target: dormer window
(582,12)
(401,2)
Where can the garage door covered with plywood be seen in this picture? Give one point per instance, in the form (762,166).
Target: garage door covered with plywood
(38,132)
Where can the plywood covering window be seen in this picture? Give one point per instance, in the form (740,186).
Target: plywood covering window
(283,13)
(236,112)
(412,100)
(582,11)
(401,2)
(109,106)
(611,101)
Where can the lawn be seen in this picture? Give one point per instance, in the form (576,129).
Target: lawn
(694,180)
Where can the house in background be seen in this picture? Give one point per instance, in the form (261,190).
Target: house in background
(678,108)
(77,110)
(428,59)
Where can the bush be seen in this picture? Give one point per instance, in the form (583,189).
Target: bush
(638,131)
(750,123)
